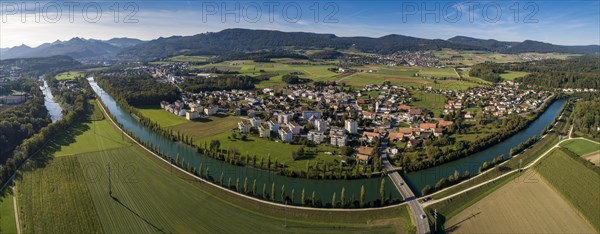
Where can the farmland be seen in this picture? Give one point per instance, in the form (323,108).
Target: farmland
(69,194)
(574,181)
(524,205)
(7,212)
(511,75)
(581,147)
(68,75)
(162,117)
(429,101)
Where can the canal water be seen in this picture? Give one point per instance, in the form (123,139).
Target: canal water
(53,108)
(324,189)
(419,179)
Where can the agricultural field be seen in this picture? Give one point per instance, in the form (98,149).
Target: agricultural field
(429,101)
(7,212)
(524,205)
(575,182)
(512,75)
(161,116)
(183,58)
(581,147)
(68,75)
(205,127)
(70,195)
(469,58)
(282,152)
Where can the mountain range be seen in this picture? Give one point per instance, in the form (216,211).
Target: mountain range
(230,41)
(77,48)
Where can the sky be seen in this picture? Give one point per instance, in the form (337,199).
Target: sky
(565,23)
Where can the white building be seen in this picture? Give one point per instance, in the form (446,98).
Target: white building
(244,126)
(321,125)
(338,137)
(316,136)
(211,110)
(190,115)
(351,126)
(286,134)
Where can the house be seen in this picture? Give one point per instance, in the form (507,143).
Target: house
(244,126)
(370,136)
(351,126)
(295,127)
(395,136)
(191,115)
(437,132)
(264,131)
(405,107)
(182,112)
(255,122)
(285,134)
(413,143)
(444,123)
(14,99)
(468,115)
(211,110)
(365,153)
(307,114)
(417,112)
(284,118)
(316,136)
(427,126)
(369,115)
(273,126)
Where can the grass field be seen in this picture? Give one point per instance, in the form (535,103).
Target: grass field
(162,117)
(68,75)
(207,127)
(580,147)
(7,212)
(430,101)
(70,195)
(524,205)
(575,182)
(511,75)
(183,58)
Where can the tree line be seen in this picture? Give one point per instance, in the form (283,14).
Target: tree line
(31,146)
(137,90)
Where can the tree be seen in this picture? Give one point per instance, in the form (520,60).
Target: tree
(343,197)
(382,191)
(200,170)
(302,198)
(221,178)
(283,193)
(333,200)
(264,191)
(207,172)
(273,192)
(293,194)
(237,184)
(254,187)
(426,190)
(313,198)
(362,196)
(246,185)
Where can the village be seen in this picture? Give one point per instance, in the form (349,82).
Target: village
(357,121)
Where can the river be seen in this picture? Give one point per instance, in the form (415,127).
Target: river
(324,189)
(53,108)
(419,179)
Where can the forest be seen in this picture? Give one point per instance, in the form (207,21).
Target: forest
(586,116)
(137,89)
(574,72)
(221,82)
(24,120)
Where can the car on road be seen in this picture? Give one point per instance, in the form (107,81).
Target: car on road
(423,216)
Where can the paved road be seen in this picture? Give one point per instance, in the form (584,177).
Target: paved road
(422,224)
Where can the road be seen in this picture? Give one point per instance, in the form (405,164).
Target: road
(431,202)
(418,213)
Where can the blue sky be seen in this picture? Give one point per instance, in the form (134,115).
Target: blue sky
(570,23)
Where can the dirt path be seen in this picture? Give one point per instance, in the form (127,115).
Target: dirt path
(16,212)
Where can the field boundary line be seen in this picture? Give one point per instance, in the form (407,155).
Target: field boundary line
(243,195)
(15,210)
